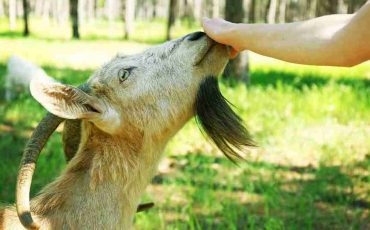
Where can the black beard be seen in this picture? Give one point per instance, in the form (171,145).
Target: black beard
(215,116)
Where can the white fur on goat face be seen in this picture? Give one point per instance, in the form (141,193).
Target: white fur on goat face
(158,94)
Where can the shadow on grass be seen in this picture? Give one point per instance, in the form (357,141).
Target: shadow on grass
(260,78)
(13,140)
(316,198)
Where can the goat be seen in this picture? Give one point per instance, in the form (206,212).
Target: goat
(128,110)
(19,75)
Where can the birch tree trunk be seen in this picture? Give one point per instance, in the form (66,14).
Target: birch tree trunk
(129,18)
(90,10)
(311,8)
(1,8)
(38,7)
(12,14)
(252,11)
(109,10)
(354,5)
(81,11)
(171,17)
(238,67)
(154,5)
(26,31)
(271,13)
(73,10)
(282,11)
(325,7)
(215,8)
(198,9)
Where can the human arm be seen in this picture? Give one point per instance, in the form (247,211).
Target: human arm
(333,40)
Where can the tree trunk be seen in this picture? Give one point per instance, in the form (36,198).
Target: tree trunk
(271,12)
(215,8)
(198,9)
(26,31)
(81,11)
(188,9)
(342,9)
(311,8)
(90,10)
(73,9)
(171,17)
(12,14)
(282,11)
(325,7)
(354,5)
(1,8)
(129,18)
(252,11)
(38,7)
(237,68)
(154,5)
(109,10)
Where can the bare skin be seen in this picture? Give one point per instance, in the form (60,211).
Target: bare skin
(333,40)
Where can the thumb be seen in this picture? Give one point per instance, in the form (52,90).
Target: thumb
(215,28)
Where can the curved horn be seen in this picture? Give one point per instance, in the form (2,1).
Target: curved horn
(27,167)
(144,207)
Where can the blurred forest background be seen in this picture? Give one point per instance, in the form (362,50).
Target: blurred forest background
(312,124)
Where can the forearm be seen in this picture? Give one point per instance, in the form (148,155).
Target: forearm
(308,42)
(336,40)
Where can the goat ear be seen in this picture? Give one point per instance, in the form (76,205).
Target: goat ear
(64,100)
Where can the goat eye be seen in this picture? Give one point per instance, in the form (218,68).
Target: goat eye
(123,75)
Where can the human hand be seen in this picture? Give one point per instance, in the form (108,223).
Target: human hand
(223,32)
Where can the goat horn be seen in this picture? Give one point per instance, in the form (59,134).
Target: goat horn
(144,207)
(27,167)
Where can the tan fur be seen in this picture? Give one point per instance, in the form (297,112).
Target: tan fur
(102,185)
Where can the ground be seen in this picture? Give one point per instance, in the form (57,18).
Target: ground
(312,125)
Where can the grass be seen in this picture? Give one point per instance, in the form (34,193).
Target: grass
(312,124)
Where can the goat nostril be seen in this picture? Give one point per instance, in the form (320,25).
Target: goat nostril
(195,36)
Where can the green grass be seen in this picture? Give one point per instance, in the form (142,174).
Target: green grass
(312,124)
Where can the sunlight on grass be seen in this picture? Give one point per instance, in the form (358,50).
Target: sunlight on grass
(312,125)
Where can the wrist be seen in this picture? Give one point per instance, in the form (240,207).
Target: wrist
(240,39)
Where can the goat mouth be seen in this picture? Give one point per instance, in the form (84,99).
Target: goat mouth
(204,52)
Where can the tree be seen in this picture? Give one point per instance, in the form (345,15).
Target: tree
(252,11)
(354,5)
(237,68)
(90,10)
(198,9)
(311,8)
(325,7)
(73,10)
(171,17)
(129,18)
(26,31)
(271,12)
(215,8)
(12,14)
(1,8)
(154,6)
(282,10)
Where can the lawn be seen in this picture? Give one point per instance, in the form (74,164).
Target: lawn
(312,124)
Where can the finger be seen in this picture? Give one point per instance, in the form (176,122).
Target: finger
(214,28)
(233,53)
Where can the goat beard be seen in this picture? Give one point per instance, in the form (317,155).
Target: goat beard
(217,119)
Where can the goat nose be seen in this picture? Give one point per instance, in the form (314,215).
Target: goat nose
(195,36)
